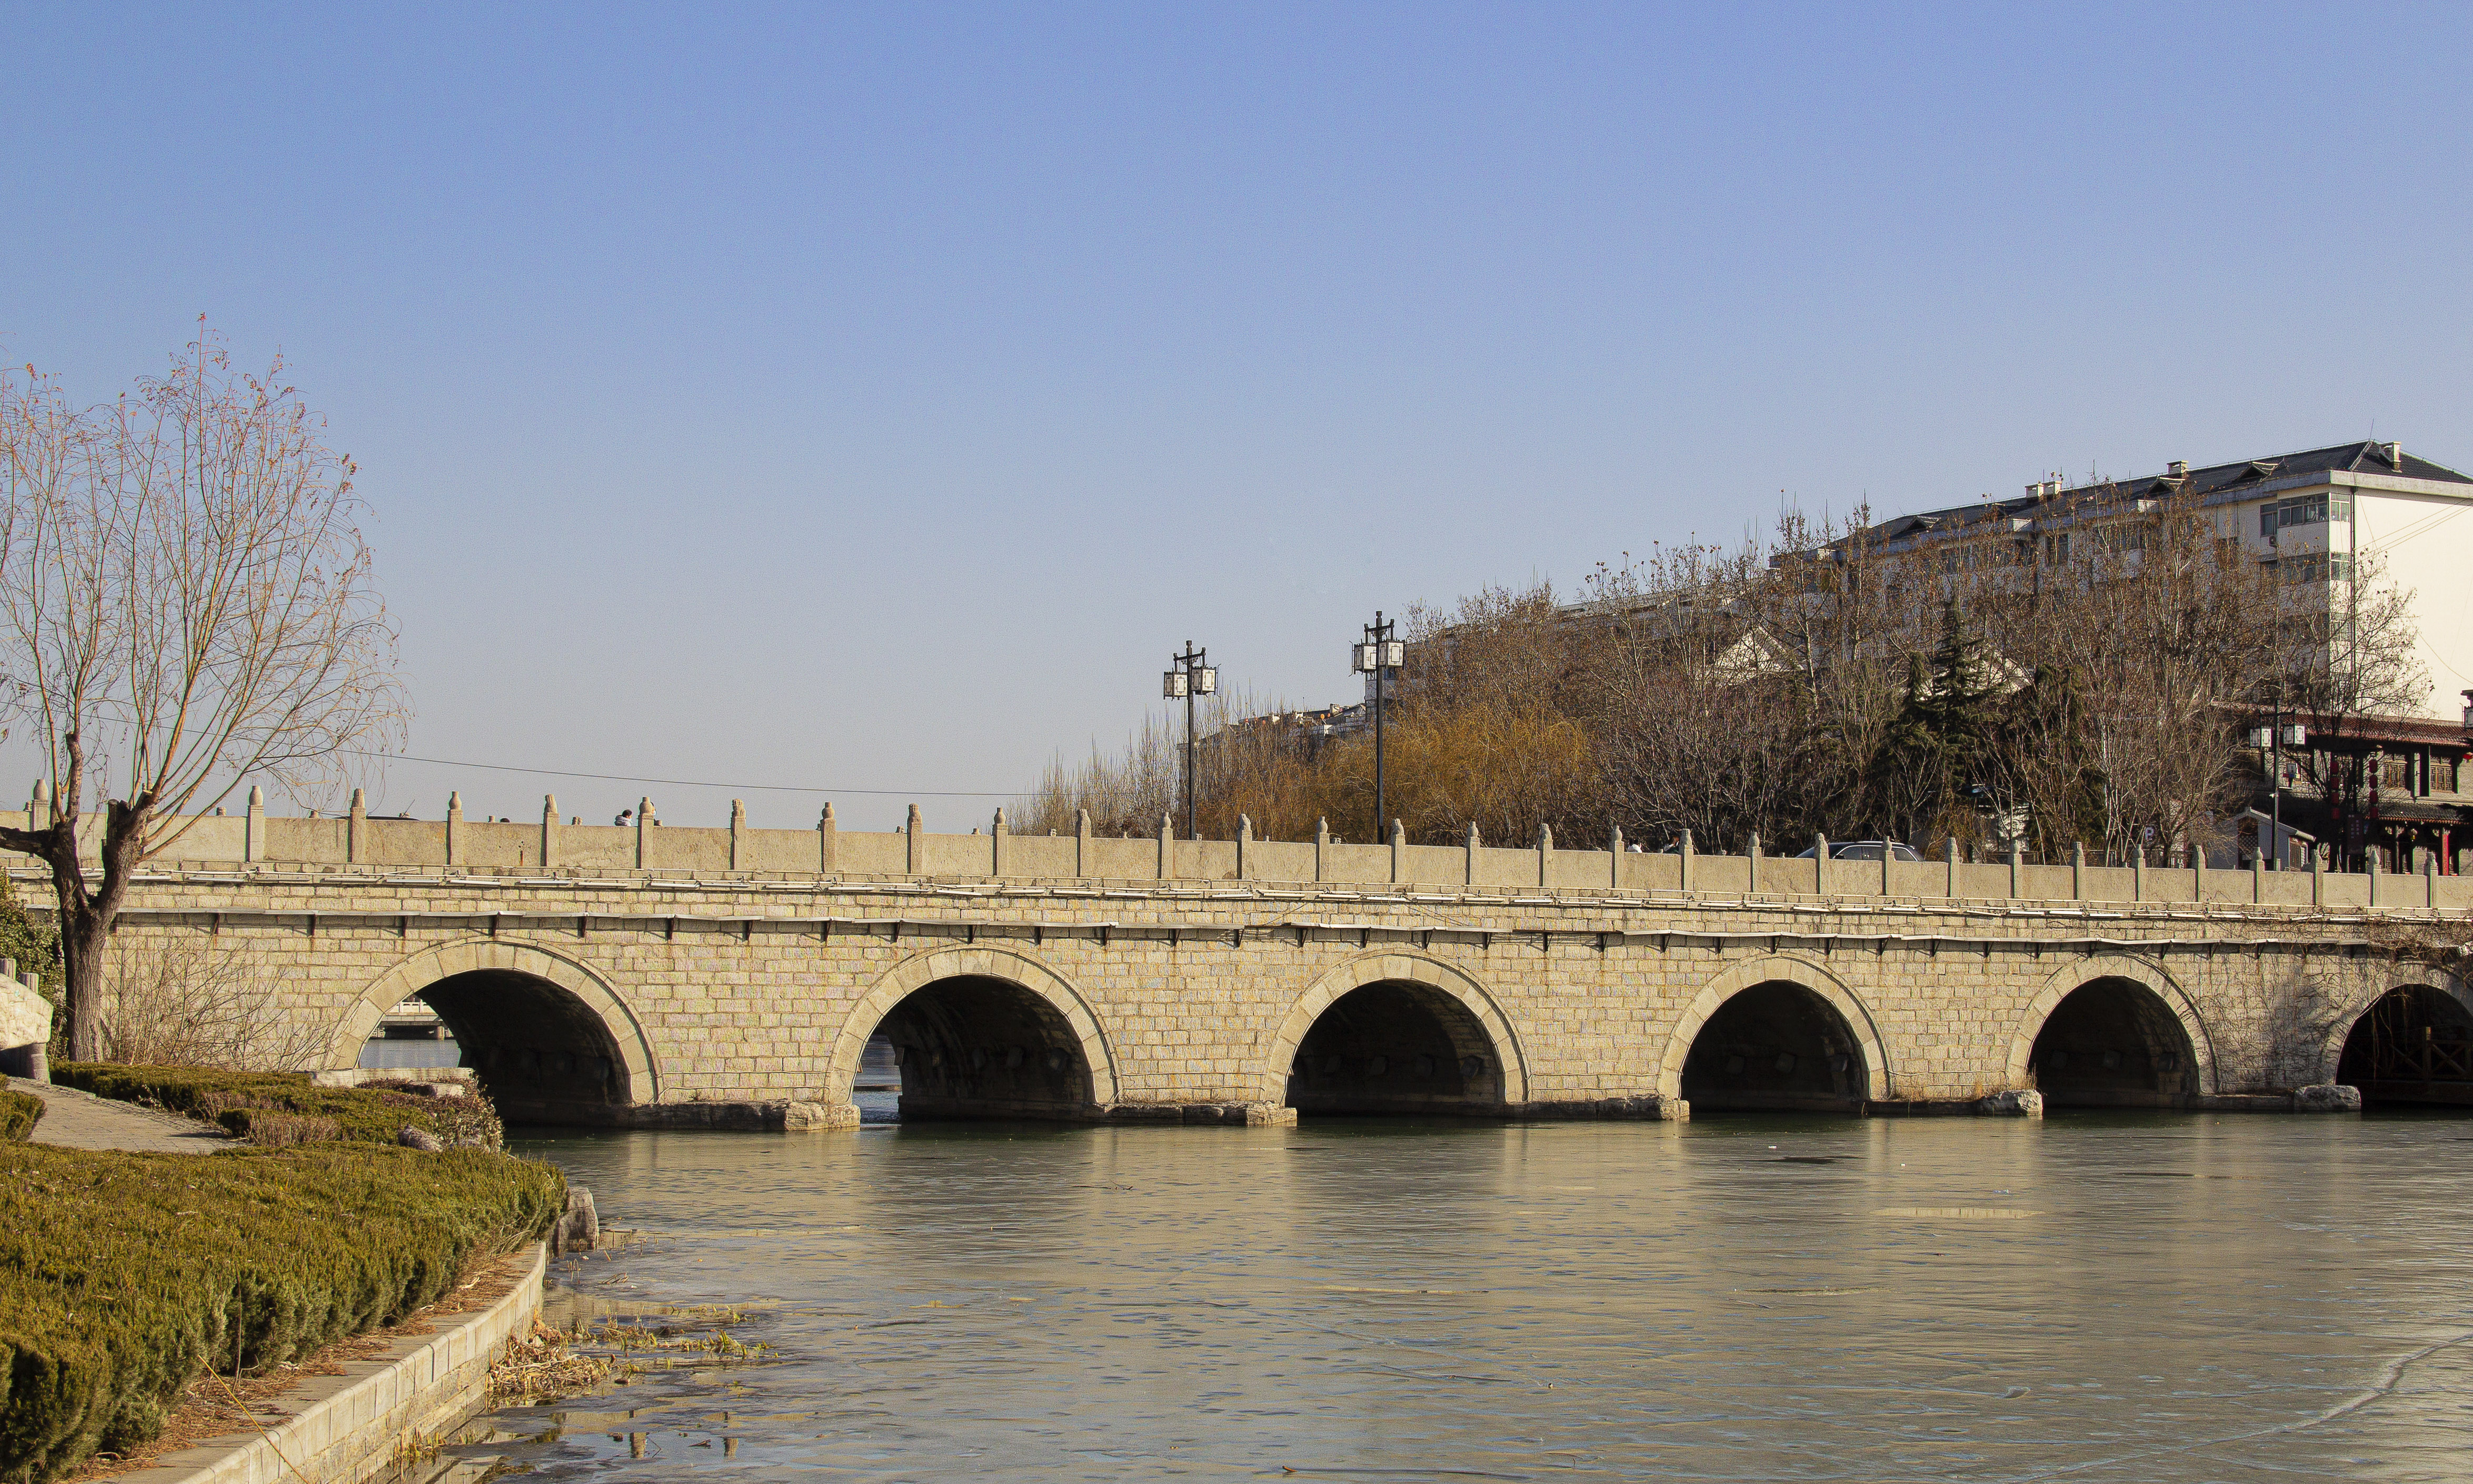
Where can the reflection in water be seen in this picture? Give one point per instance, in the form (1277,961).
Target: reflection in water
(2109,1297)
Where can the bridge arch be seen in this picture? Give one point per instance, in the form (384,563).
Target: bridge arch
(2431,1005)
(1785,985)
(552,1038)
(1412,994)
(2116,994)
(1037,1014)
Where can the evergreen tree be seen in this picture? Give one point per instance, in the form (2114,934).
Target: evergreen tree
(1937,746)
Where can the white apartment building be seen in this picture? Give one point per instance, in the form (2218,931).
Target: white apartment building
(2314,513)
(2405,791)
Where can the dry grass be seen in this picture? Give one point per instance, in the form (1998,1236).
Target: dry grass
(550,1364)
(543,1366)
(199,1001)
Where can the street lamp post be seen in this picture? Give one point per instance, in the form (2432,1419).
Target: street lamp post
(1188,676)
(1380,655)
(2273,739)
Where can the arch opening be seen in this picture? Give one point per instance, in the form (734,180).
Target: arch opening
(544,1054)
(974,1046)
(2413,1046)
(1776,1047)
(2113,1043)
(1396,1046)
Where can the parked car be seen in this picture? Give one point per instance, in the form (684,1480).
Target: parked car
(1863,849)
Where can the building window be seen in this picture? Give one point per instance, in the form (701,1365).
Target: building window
(2312,509)
(2395,773)
(2317,567)
(2443,773)
(2120,539)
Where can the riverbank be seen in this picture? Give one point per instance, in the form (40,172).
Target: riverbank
(354,1409)
(125,1276)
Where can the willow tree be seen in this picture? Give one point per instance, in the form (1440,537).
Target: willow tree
(185,605)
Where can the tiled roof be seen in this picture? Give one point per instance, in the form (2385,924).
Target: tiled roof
(2210,482)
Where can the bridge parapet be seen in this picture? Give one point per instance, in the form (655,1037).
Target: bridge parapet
(647,851)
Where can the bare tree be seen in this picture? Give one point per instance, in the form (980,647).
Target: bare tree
(195,1000)
(185,603)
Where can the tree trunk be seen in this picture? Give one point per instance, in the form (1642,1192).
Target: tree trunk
(85,919)
(82,935)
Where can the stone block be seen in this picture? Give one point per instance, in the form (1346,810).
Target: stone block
(2327,1097)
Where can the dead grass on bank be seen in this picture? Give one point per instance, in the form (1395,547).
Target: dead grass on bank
(551,1364)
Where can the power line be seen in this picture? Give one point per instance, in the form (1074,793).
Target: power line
(629,777)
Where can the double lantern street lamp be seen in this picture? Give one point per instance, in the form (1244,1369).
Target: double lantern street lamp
(2272,740)
(1187,676)
(1381,655)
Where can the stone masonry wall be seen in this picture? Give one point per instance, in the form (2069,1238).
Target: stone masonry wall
(1188,992)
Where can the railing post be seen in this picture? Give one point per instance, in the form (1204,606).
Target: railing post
(1614,871)
(1752,871)
(1684,860)
(828,842)
(910,832)
(2318,877)
(253,840)
(39,807)
(1399,849)
(1244,839)
(1322,844)
(1949,858)
(454,823)
(1545,855)
(1081,844)
(2017,870)
(643,822)
(737,835)
(1819,864)
(2138,871)
(1166,848)
(998,834)
(1468,871)
(2430,878)
(355,826)
(549,830)
(2078,872)
(2374,875)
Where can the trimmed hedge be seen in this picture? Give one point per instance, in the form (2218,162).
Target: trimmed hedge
(19,1111)
(279,1107)
(126,1276)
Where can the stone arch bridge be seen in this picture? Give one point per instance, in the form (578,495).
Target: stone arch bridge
(734,978)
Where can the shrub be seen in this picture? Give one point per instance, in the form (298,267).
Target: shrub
(125,1276)
(265,1108)
(18,1113)
(286,1131)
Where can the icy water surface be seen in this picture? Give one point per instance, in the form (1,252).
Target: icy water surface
(2097,1297)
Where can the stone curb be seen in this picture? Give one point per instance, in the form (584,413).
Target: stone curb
(349,1427)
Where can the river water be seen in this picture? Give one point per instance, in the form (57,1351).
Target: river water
(2090,1298)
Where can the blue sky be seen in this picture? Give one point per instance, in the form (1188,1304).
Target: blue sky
(871,398)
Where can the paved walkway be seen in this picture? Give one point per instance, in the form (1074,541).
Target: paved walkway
(80,1120)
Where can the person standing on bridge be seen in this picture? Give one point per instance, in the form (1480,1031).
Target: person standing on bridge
(625,817)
